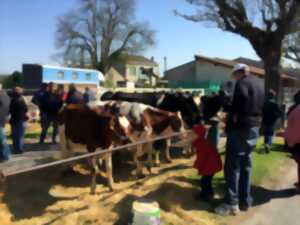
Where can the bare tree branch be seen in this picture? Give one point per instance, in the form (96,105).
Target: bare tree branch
(104,29)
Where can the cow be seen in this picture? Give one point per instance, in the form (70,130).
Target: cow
(171,102)
(141,122)
(213,104)
(81,127)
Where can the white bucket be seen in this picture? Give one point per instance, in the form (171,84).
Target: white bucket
(146,212)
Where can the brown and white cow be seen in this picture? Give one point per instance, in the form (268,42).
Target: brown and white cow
(141,122)
(84,129)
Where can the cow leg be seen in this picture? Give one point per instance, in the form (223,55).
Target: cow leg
(109,175)
(139,168)
(149,157)
(168,156)
(157,161)
(94,170)
(188,150)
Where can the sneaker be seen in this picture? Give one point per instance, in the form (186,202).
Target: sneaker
(226,209)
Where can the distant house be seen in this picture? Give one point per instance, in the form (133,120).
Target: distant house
(212,73)
(34,75)
(130,69)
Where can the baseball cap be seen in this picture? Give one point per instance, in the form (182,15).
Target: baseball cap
(241,66)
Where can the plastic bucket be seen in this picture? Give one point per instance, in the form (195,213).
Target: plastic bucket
(145,212)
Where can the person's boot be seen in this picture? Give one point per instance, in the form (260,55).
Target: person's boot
(204,196)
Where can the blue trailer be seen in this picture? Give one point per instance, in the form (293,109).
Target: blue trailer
(35,74)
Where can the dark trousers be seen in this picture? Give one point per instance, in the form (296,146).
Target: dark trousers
(238,165)
(206,185)
(17,133)
(297,159)
(46,122)
(269,131)
(296,155)
(214,134)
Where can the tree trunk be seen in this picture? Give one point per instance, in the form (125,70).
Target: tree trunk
(273,73)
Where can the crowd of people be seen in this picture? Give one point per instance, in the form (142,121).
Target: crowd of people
(247,114)
(49,100)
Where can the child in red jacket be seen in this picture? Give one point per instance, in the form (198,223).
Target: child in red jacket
(208,161)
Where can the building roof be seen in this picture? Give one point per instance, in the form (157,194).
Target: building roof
(137,59)
(292,72)
(254,69)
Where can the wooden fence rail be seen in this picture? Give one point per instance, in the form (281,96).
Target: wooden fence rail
(3,175)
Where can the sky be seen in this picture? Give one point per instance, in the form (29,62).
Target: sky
(27,33)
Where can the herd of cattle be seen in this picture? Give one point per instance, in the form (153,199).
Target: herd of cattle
(122,118)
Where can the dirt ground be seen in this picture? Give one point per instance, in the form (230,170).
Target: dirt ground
(48,197)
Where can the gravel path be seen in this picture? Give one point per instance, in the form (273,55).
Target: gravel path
(275,204)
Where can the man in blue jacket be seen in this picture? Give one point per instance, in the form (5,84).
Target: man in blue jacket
(242,128)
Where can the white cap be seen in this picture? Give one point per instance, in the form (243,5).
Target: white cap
(241,66)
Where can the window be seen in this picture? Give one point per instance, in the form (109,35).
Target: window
(74,76)
(88,76)
(60,75)
(132,71)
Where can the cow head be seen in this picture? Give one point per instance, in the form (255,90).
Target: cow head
(183,103)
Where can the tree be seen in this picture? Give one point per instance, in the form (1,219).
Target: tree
(13,80)
(99,31)
(264,23)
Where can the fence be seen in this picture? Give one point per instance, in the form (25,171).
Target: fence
(88,155)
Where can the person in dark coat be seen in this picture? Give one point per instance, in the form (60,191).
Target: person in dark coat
(18,111)
(208,162)
(242,129)
(271,113)
(61,92)
(4,113)
(88,96)
(37,98)
(74,96)
(51,104)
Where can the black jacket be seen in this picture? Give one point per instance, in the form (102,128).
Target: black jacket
(246,108)
(51,103)
(74,97)
(18,109)
(271,113)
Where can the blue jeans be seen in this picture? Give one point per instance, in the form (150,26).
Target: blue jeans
(268,134)
(4,149)
(268,140)
(18,132)
(238,165)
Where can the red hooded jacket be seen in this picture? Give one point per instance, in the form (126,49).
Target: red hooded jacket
(208,160)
